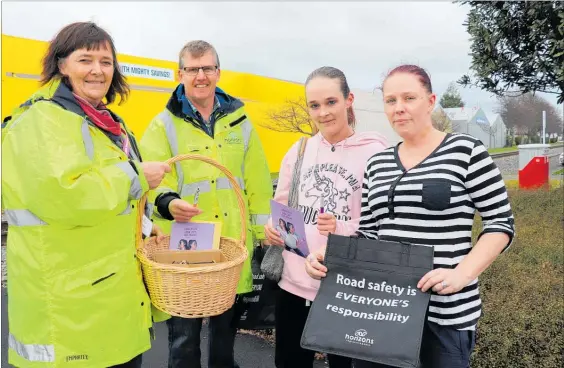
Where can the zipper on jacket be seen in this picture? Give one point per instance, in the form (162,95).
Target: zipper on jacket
(220,114)
(193,122)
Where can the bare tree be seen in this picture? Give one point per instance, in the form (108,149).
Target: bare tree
(442,122)
(292,117)
(525,114)
(492,131)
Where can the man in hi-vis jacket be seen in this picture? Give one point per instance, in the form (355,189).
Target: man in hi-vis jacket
(202,119)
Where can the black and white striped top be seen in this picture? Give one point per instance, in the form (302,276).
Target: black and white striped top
(434,204)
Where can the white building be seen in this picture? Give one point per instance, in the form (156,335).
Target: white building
(498,130)
(475,122)
(370,116)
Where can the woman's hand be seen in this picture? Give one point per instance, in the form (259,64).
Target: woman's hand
(272,236)
(156,231)
(326,223)
(313,265)
(443,281)
(154,172)
(182,211)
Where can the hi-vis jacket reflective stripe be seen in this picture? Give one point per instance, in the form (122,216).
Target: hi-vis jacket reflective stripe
(236,146)
(70,195)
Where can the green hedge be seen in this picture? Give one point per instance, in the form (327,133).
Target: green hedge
(523,294)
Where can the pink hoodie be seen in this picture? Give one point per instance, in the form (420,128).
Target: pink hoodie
(332,175)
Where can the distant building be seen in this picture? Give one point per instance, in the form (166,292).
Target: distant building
(498,131)
(370,116)
(488,128)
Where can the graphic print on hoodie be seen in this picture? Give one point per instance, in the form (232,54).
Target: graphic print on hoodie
(321,183)
(331,178)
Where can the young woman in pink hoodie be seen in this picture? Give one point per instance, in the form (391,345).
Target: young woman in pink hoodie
(330,189)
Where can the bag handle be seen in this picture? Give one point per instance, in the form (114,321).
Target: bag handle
(293,194)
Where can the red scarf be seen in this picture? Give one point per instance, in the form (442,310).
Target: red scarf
(100,116)
(104,120)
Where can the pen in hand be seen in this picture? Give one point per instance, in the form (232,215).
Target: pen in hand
(196,197)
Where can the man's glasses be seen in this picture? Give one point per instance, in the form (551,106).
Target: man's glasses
(208,70)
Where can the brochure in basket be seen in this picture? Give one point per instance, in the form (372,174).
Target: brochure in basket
(290,224)
(195,235)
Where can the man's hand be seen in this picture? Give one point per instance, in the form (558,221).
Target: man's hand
(182,211)
(154,172)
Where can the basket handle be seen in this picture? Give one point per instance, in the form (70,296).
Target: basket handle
(223,169)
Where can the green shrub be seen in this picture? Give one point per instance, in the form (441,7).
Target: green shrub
(522,324)
(518,141)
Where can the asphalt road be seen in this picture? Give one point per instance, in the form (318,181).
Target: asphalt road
(554,164)
(250,351)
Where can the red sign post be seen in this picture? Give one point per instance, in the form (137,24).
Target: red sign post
(535,174)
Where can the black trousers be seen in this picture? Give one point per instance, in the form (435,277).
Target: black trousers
(291,315)
(184,341)
(441,347)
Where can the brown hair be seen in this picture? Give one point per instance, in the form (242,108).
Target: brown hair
(76,36)
(418,72)
(197,49)
(334,73)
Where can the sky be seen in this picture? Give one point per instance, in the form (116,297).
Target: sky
(285,40)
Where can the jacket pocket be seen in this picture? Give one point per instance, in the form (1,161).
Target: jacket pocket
(90,301)
(436,194)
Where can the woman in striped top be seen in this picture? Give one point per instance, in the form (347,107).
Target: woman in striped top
(426,191)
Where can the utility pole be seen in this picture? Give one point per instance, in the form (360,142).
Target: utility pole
(543,127)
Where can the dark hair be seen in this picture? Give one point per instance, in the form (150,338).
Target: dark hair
(76,36)
(334,73)
(419,72)
(197,49)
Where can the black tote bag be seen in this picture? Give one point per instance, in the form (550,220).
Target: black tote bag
(255,310)
(368,306)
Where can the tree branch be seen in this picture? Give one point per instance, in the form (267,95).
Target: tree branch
(291,117)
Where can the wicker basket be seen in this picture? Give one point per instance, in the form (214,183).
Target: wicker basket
(194,292)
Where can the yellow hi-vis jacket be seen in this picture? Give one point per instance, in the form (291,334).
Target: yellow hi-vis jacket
(235,145)
(76,294)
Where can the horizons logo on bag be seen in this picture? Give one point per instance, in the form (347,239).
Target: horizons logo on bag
(359,338)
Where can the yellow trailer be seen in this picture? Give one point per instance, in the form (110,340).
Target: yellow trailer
(152,82)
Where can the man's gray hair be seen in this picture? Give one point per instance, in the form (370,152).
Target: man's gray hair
(197,49)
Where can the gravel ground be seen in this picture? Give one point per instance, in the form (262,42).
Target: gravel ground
(509,167)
